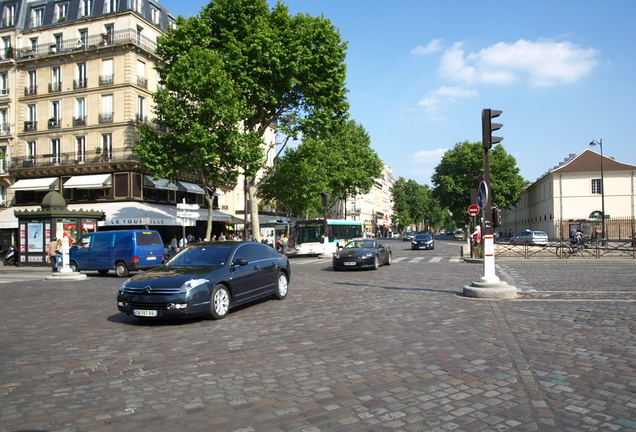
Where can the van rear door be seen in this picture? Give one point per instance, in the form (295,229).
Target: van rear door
(149,248)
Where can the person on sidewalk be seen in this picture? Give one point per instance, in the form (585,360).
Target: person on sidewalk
(55,253)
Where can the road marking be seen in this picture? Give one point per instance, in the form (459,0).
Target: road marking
(399,259)
(576,300)
(312,261)
(456,259)
(436,259)
(418,259)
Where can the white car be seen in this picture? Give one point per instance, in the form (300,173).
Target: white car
(531,238)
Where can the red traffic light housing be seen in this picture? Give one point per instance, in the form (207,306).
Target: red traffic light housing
(487,127)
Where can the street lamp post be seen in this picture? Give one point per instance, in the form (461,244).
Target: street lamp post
(600,144)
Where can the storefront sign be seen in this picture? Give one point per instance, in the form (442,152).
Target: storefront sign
(141,221)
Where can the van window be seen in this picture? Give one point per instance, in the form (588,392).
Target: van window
(85,241)
(148,238)
(103,242)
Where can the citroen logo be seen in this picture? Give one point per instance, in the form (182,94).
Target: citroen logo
(147,289)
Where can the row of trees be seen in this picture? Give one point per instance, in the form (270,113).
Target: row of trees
(233,72)
(458,172)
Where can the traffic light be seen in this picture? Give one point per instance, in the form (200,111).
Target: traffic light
(496,217)
(487,127)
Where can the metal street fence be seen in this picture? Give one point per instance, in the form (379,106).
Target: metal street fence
(563,249)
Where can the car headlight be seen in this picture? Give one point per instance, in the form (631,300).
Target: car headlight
(414,242)
(123,286)
(366,256)
(192,283)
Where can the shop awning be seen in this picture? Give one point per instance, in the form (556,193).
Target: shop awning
(191,187)
(97,181)
(44,183)
(218,192)
(160,183)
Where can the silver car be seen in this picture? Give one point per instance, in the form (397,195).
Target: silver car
(531,238)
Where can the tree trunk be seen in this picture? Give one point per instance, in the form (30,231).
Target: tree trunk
(210,200)
(255,223)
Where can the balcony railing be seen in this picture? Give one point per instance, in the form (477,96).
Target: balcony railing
(142,82)
(31,90)
(105,80)
(55,123)
(5,129)
(30,126)
(119,37)
(55,87)
(106,118)
(72,158)
(79,84)
(79,121)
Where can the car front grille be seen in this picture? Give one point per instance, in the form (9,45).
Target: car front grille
(151,291)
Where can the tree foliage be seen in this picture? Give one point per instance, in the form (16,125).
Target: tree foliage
(339,161)
(276,66)
(415,206)
(459,169)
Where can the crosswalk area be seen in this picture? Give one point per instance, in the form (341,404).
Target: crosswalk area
(398,260)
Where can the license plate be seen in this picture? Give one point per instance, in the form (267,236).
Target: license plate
(151,258)
(348,263)
(145,313)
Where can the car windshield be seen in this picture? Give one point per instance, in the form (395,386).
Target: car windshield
(361,244)
(201,256)
(423,237)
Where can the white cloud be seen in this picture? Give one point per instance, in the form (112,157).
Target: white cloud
(433,46)
(438,100)
(429,156)
(542,63)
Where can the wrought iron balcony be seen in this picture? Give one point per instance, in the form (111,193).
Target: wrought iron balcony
(30,126)
(72,158)
(105,80)
(119,37)
(79,84)
(79,121)
(55,123)
(31,90)
(106,118)
(55,87)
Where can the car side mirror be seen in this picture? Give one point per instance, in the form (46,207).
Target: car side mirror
(240,262)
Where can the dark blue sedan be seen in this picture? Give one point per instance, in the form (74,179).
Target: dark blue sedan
(207,279)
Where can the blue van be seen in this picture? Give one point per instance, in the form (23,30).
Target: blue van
(122,251)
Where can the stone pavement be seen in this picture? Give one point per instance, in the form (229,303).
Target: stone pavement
(397,349)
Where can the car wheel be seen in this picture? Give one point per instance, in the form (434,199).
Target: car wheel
(281,286)
(389,259)
(219,302)
(74,267)
(121,270)
(376,263)
(102,272)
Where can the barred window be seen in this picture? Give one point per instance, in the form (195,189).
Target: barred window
(597,186)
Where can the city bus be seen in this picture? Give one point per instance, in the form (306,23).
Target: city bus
(309,235)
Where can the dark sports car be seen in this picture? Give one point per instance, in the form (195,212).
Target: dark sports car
(207,279)
(362,254)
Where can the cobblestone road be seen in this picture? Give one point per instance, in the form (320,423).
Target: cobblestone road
(397,349)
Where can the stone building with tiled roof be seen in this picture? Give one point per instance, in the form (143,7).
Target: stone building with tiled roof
(569,196)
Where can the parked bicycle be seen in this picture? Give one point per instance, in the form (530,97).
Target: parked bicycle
(575,248)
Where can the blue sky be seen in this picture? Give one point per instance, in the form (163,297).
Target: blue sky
(420,73)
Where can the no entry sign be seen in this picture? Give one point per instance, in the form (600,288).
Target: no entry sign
(473,209)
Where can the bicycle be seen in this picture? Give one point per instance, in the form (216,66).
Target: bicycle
(572,249)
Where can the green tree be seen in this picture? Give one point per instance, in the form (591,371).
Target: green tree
(456,175)
(414,205)
(283,67)
(201,108)
(340,162)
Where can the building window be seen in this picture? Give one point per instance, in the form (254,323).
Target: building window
(141,74)
(8,19)
(37,17)
(32,118)
(61,10)
(597,186)
(32,85)
(31,152)
(137,5)
(7,50)
(4,83)
(107,146)
(85,7)
(82,41)
(106,116)
(80,112)
(106,78)
(54,120)
(55,151)
(81,80)
(110,6)
(4,124)
(141,109)
(56,79)
(155,15)
(80,149)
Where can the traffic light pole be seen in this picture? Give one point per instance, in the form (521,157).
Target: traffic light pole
(489,285)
